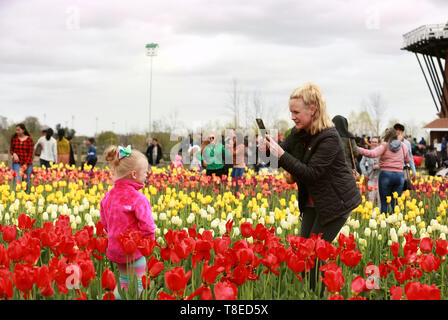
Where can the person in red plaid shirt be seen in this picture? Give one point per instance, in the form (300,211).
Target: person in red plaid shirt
(22,150)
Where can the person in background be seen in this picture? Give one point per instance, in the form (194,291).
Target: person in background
(393,155)
(414,146)
(154,153)
(443,149)
(195,156)
(92,156)
(238,152)
(370,168)
(214,156)
(49,151)
(177,163)
(432,162)
(348,140)
(399,128)
(22,151)
(72,161)
(63,148)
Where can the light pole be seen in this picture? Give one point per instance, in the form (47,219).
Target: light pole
(151,51)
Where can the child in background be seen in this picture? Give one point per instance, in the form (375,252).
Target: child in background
(92,155)
(177,163)
(124,208)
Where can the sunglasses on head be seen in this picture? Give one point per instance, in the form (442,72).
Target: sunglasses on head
(211,138)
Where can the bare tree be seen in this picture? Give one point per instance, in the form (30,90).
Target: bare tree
(376,107)
(234,105)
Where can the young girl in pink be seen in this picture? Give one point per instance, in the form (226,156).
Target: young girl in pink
(124,208)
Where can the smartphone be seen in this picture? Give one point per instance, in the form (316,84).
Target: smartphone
(261,127)
(260,124)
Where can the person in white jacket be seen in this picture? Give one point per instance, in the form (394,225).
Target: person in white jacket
(49,149)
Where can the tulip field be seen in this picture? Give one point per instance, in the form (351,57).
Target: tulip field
(216,241)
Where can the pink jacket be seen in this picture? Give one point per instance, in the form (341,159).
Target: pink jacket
(240,150)
(389,160)
(125,208)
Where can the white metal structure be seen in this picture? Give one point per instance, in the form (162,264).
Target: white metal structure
(426,32)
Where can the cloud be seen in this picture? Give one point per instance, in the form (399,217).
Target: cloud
(88,58)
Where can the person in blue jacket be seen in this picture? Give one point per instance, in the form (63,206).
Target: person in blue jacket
(92,155)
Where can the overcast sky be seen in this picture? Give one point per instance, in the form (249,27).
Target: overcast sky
(86,59)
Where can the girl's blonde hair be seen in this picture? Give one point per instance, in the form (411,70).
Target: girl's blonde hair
(311,94)
(122,167)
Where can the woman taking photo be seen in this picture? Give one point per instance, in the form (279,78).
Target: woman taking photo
(49,152)
(313,154)
(22,151)
(393,155)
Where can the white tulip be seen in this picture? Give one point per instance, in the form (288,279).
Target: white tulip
(165,230)
(389,242)
(45,216)
(250,240)
(162,216)
(157,231)
(201,230)
(214,223)
(345,230)
(72,219)
(190,218)
(7,217)
(296,231)
(356,224)
(54,215)
(254,216)
(222,229)
(78,220)
(372,224)
(380,237)
(383,224)
(418,219)
(279,231)
(160,241)
(73,225)
(236,232)
(442,236)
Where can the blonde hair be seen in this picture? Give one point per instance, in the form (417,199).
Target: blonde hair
(311,94)
(122,167)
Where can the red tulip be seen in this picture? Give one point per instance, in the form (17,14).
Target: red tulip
(9,233)
(347,242)
(426,245)
(394,248)
(25,222)
(108,280)
(99,229)
(23,277)
(335,297)
(429,263)
(358,285)
(350,258)
(210,273)
(176,280)
(15,251)
(229,225)
(333,280)
(441,247)
(225,290)
(165,296)
(109,296)
(82,295)
(145,282)
(82,238)
(4,258)
(418,291)
(396,292)
(6,289)
(246,229)
(154,267)
(146,246)
(101,244)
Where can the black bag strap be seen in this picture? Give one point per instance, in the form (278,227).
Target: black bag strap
(351,151)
